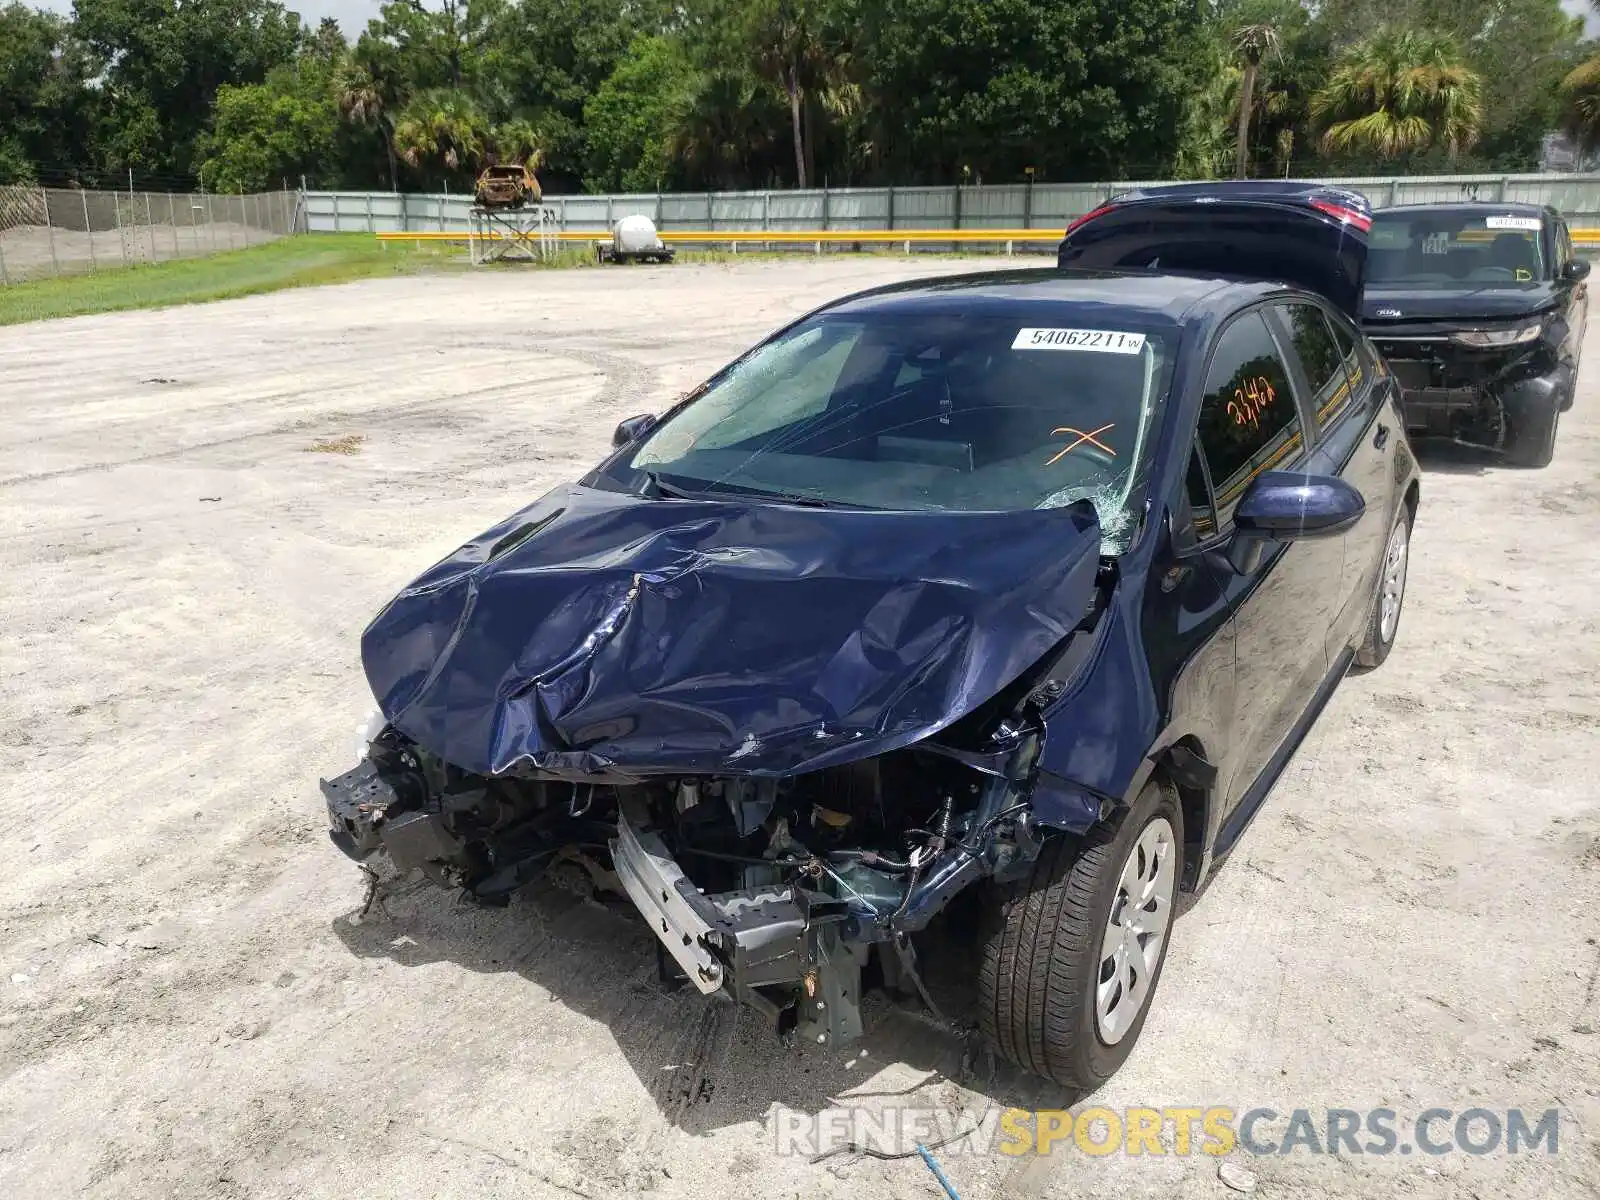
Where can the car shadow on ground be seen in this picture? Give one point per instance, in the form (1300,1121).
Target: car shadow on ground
(706,1063)
(1440,457)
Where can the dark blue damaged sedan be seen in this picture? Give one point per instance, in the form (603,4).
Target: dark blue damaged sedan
(1025,584)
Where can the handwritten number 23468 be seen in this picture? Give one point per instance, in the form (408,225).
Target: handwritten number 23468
(1250,400)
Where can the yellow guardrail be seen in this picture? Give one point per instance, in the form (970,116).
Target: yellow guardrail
(775,236)
(1587,238)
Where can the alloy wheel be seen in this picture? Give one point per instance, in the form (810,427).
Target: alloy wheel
(1393,582)
(1136,930)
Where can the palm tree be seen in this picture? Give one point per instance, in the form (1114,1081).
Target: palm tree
(364,100)
(790,50)
(442,126)
(1580,103)
(1253,42)
(723,129)
(516,141)
(1398,93)
(1203,139)
(1208,136)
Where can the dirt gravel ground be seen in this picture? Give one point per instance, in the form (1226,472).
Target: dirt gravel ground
(186,1009)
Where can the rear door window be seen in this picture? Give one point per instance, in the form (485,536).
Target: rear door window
(1320,356)
(1355,362)
(1248,419)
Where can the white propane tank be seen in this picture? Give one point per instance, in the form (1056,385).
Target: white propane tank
(635,235)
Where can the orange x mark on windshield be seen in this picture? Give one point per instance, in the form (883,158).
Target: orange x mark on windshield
(1093,438)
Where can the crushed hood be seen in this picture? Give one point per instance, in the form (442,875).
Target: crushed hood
(597,632)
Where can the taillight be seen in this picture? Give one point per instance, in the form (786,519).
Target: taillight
(1089,216)
(1344,214)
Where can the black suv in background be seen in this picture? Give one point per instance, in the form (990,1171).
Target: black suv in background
(1479,310)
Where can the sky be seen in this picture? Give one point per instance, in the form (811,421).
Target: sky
(353,15)
(1591,21)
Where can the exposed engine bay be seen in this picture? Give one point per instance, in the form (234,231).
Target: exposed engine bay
(776,890)
(788,759)
(1471,386)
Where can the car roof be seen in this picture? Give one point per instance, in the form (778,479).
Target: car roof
(1488,208)
(1155,297)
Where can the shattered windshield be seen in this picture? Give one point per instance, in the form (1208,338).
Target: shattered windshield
(1455,250)
(941,411)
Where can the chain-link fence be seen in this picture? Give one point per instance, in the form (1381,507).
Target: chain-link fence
(62,231)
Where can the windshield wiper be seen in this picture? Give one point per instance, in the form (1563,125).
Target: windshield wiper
(666,491)
(802,499)
(809,501)
(656,487)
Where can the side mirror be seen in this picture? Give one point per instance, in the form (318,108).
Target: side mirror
(1576,269)
(632,430)
(1281,506)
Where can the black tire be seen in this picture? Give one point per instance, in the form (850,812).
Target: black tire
(1041,950)
(1532,440)
(1375,646)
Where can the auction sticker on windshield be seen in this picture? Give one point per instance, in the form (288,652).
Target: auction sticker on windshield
(1105,341)
(1530,224)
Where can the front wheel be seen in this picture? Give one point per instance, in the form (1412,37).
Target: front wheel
(1072,955)
(1533,438)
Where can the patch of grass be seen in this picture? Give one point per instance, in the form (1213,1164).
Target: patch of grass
(350,443)
(302,261)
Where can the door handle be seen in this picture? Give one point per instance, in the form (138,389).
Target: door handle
(1381,438)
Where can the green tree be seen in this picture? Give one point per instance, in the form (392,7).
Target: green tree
(162,62)
(1520,49)
(1580,100)
(543,60)
(367,99)
(515,141)
(725,138)
(1287,76)
(632,120)
(431,47)
(1253,43)
(443,130)
(1210,118)
(1078,89)
(1400,94)
(46,105)
(272,131)
(793,47)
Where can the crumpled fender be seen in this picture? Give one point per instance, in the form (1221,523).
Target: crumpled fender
(1099,732)
(600,633)
(1527,396)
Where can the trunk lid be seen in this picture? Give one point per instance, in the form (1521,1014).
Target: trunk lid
(1310,235)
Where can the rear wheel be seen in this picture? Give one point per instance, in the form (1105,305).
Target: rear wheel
(1532,440)
(1384,622)
(1073,954)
